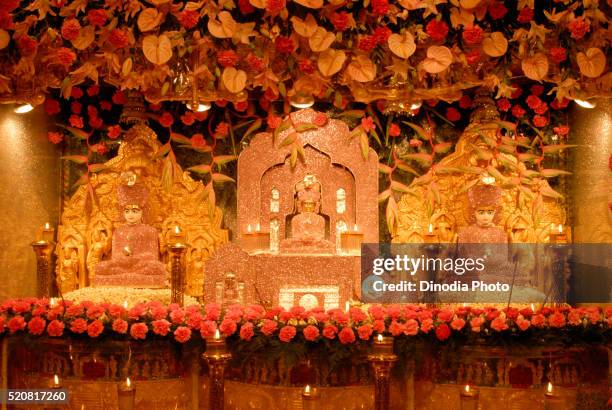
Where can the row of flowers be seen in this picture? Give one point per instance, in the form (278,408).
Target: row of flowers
(37,317)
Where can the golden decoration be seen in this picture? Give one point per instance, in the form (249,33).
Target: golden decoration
(92,213)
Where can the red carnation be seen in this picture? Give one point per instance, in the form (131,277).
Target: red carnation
(381,34)
(16,323)
(182,334)
(118,38)
(380,7)
(228,327)
(71,29)
(120,326)
(55,328)
(95,122)
(189,18)
(65,56)
(558,105)
(340,21)
(366,43)
(188,118)
(558,54)
(245,7)
(6,20)
(76,107)
(8,5)
(311,333)
(346,335)
(330,331)
(452,114)
(119,98)
(95,328)
(78,325)
(27,45)
(227,58)
(364,332)
(222,130)
(465,102)
(274,7)
(255,63)
(284,45)
(367,123)
(443,332)
(579,27)
(562,130)
(473,35)
(306,66)
(114,131)
(197,140)
(497,10)
(139,331)
(526,15)
(533,101)
(166,119)
(100,148)
(415,143)
(55,137)
(394,130)
(96,17)
(473,57)
(437,30)
(540,121)
(504,105)
(518,111)
(106,105)
(52,106)
(541,109)
(36,325)
(273,121)
(320,119)
(536,89)
(246,331)
(92,111)
(76,121)
(287,333)
(93,90)
(241,106)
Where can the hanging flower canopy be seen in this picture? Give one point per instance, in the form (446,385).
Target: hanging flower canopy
(332,50)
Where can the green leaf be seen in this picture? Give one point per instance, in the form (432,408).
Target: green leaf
(365,145)
(546,190)
(305,127)
(527,157)
(442,147)
(78,159)
(180,138)
(551,173)
(291,138)
(76,132)
(285,125)
(83,179)
(419,130)
(398,186)
(384,195)
(508,149)
(200,169)
(420,157)
(162,151)
(384,169)
(221,178)
(293,159)
(224,159)
(405,167)
(96,167)
(254,127)
(551,149)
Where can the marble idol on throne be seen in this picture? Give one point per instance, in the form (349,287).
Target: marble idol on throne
(114,233)
(299,224)
(477,213)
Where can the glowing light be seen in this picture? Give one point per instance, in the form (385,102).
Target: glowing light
(430,229)
(217,334)
(47,226)
(177,230)
(549,388)
(23,108)
(128,382)
(125,304)
(52,302)
(489,180)
(379,338)
(307,389)
(258,227)
(198,107)
(249,229)
(56,380)
(415,105)
(347,306)
(355,228)
(302,101)
(532,307)
(585,103)
(467,388)
(560,228)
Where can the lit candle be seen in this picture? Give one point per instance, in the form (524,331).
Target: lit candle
(310,396)
(430,236)
(551,400)
(533,307)
(257,227)
(125,304)
(217,334)
(56,382)
(430,229)
(177,230)
(347,306)
(469,398)
(383,345)
(52,302)
(48,233)
(249,228)
(560,229)
(355,228)
(126,395)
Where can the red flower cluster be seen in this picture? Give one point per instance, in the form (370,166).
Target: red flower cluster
(189,18)
(71,29)
(97,17)
(284,45)
(118,38)
(380,7)
(227,58)
(340,21)
(437,30)
(274,7)
(473,35)
(579,27)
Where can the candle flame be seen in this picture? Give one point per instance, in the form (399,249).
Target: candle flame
(125,304)
(47,225)
(347,306)
(549,388)
(258,227)
(380,338)
(355,228)
(560,228)
(52,302)
(467,388)
(128,382)
(56,380)
(307,389)
(532,307)
(217,334)
(249,228)
(430,229)
(177,229)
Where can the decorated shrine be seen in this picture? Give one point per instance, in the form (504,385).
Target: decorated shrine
(306,204)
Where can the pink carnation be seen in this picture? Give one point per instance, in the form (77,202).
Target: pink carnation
(396,328)
(377,312)
(330,331)
(139,330)
(476,324)
(499,324)
(426,325)
(228,327)
(411,327)
(286,333)
(208,328)
(443,332)
(182,334)
(445,315)
(246,331)
(346,335)
(177,316)
(268,327)
(458,324)
(379,326)
(364,332)
(557,319)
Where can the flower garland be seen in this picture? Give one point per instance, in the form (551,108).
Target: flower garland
(296,326)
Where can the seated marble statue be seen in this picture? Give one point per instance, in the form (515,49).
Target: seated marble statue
(135,247)
(308,225)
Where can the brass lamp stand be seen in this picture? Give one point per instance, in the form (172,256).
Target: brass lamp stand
(217,356)
(382,360)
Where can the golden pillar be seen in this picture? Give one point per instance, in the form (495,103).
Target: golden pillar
(382,360)
(591,130)
(177,280)
(43,250)
(217,356)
